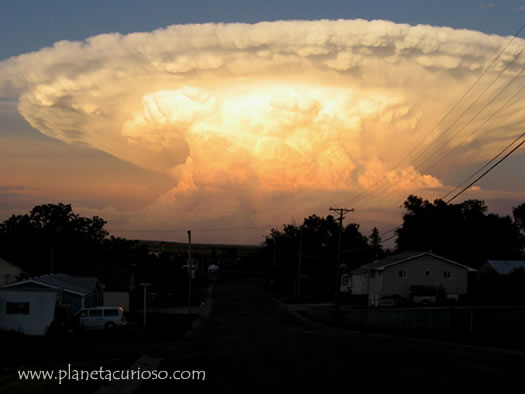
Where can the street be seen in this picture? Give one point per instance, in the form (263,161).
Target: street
(251,344)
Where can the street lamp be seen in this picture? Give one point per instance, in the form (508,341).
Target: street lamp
(144,285)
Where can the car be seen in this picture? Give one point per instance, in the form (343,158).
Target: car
(386,301)
(424,300)
(393,300)
(423,295)
(101,317)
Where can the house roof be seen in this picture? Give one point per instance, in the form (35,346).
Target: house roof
(505,267)
(407,256)
(80,285)
(29,290)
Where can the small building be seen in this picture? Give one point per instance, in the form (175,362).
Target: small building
(9,272)
(76,291)
(396,275)
(500,267)
(28,311)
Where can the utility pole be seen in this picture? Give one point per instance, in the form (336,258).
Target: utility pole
(52,238)
(51,257)
(274,260)
(300,262)
(274,253)
(190,272)
(144,285)
(342,212)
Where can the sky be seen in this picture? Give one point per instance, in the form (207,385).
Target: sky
(230,118)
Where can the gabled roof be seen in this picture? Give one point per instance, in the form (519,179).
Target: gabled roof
(80,285)
(505,267)
(28,290)
(407,256)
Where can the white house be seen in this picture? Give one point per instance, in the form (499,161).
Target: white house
(395,276)
(76,291)
(28,311)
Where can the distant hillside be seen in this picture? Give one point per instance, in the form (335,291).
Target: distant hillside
(201,249)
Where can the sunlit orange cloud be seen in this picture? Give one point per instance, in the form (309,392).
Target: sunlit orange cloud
(262,124)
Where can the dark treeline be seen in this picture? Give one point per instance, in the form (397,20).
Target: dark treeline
(51,238)
(463,232)
(317,238)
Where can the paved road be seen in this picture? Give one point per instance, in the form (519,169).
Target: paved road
(250,344)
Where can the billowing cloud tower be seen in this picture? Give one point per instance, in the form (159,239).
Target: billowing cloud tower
(258,124)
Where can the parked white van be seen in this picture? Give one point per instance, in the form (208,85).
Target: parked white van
(101,317)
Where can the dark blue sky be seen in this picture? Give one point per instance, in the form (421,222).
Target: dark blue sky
(28,25)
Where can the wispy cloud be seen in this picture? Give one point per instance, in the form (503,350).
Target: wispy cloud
(13,188)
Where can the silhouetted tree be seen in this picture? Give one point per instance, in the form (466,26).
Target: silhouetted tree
(319,250)
(375,243)
(464,232)
(51,237)
(519,216)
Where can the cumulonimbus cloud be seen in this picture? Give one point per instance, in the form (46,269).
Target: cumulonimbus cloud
(238,114)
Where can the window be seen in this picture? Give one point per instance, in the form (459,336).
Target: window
(17,308)
(114,312)
(402,274)
(95,313)
(447,274)
(427,273)
(372,273)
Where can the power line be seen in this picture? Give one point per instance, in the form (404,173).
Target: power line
(484,166)
(473,182)
(440,159)
(391,188)
(466,93)
(418,144)
(469,107)
(476,115)
(487,171)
